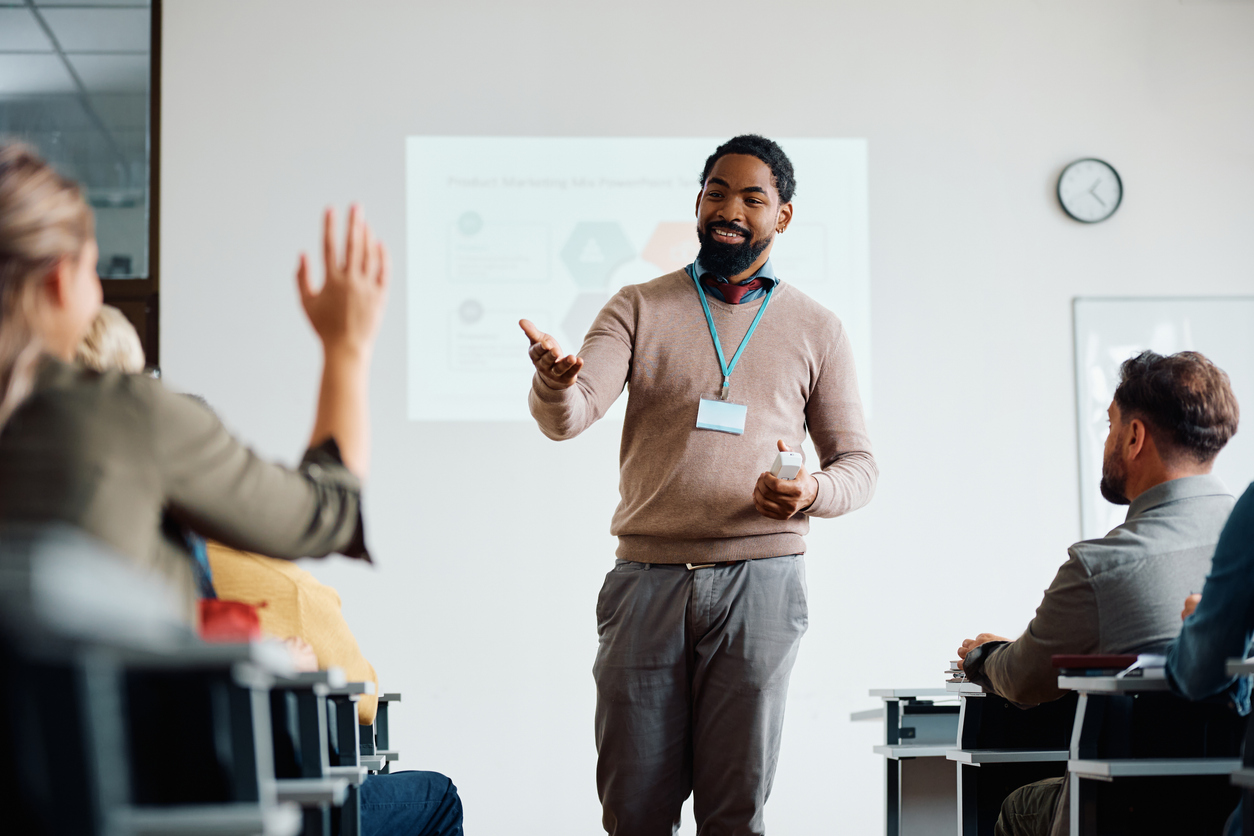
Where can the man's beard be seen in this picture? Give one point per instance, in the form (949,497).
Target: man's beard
(727,260)
(1114,481)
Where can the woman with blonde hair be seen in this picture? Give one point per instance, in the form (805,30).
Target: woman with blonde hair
(110,452)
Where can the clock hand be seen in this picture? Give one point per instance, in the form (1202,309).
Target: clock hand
(1093,193)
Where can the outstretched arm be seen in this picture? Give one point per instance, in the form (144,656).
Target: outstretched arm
(569,393)
(554,370)
(345,313)
(223,490)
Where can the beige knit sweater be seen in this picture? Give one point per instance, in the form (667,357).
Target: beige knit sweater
(687,494)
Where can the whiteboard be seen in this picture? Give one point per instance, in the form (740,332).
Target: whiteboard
(1109,331)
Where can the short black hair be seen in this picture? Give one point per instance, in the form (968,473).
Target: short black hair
(1185,399)
(765,150)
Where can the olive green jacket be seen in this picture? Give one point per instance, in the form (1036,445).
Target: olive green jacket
(112,453)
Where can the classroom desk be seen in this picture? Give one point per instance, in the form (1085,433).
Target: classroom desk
(184,703)
(355,775)
(1001,747)
(343,730)
(151,731)
(1142,758)
(1243,777)
(376,738)
(301,739)
(241,819)
(961,688)
(313,791)
(1113,685)
(919,797)
(374,763)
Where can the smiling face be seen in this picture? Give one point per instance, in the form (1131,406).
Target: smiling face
(738,214)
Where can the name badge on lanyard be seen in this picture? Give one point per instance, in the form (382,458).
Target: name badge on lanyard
(722,415)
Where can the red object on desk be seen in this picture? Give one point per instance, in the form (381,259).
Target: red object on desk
(228,621)
(1095,660)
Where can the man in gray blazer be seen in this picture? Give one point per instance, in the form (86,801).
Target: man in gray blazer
(1121,593)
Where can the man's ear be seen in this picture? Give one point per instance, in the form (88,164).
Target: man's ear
(696,210)
(1138,438)
(784,218)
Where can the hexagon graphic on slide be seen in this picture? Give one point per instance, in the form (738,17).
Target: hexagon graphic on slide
(672,246)
(594,250)
(579,318)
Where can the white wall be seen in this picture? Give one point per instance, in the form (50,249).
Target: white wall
(481,605)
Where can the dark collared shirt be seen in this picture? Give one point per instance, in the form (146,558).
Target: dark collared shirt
(766,274)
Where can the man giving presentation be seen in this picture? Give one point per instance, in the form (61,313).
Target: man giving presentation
(700,619)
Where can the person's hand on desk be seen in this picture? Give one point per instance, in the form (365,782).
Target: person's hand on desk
(780,499)
(556,371)
(1190,604)
(970,644)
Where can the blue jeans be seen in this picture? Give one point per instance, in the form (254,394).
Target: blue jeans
(410,804)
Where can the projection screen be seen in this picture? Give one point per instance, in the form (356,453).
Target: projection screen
(505,228)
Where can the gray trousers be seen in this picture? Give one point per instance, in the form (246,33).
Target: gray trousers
(692,675)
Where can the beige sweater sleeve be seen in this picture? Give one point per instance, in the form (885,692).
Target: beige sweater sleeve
(837,427)
(565,413)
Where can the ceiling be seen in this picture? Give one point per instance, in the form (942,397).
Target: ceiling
(74,83)
(45,44)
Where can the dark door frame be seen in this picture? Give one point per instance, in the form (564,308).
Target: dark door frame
(129,294)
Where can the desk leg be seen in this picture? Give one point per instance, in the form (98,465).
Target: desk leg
(928,793)
(892,797)
(348,817)
(968,800)
(1247,811)
(1083,806)
(317,821)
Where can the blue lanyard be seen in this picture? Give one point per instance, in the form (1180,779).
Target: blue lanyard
(728,368)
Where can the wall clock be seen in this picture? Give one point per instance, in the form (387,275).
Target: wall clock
(1090,190)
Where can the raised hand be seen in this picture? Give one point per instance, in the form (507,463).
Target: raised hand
(780,499)
(556,371)
(346,310)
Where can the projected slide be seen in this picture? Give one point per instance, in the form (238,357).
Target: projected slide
(505,228)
